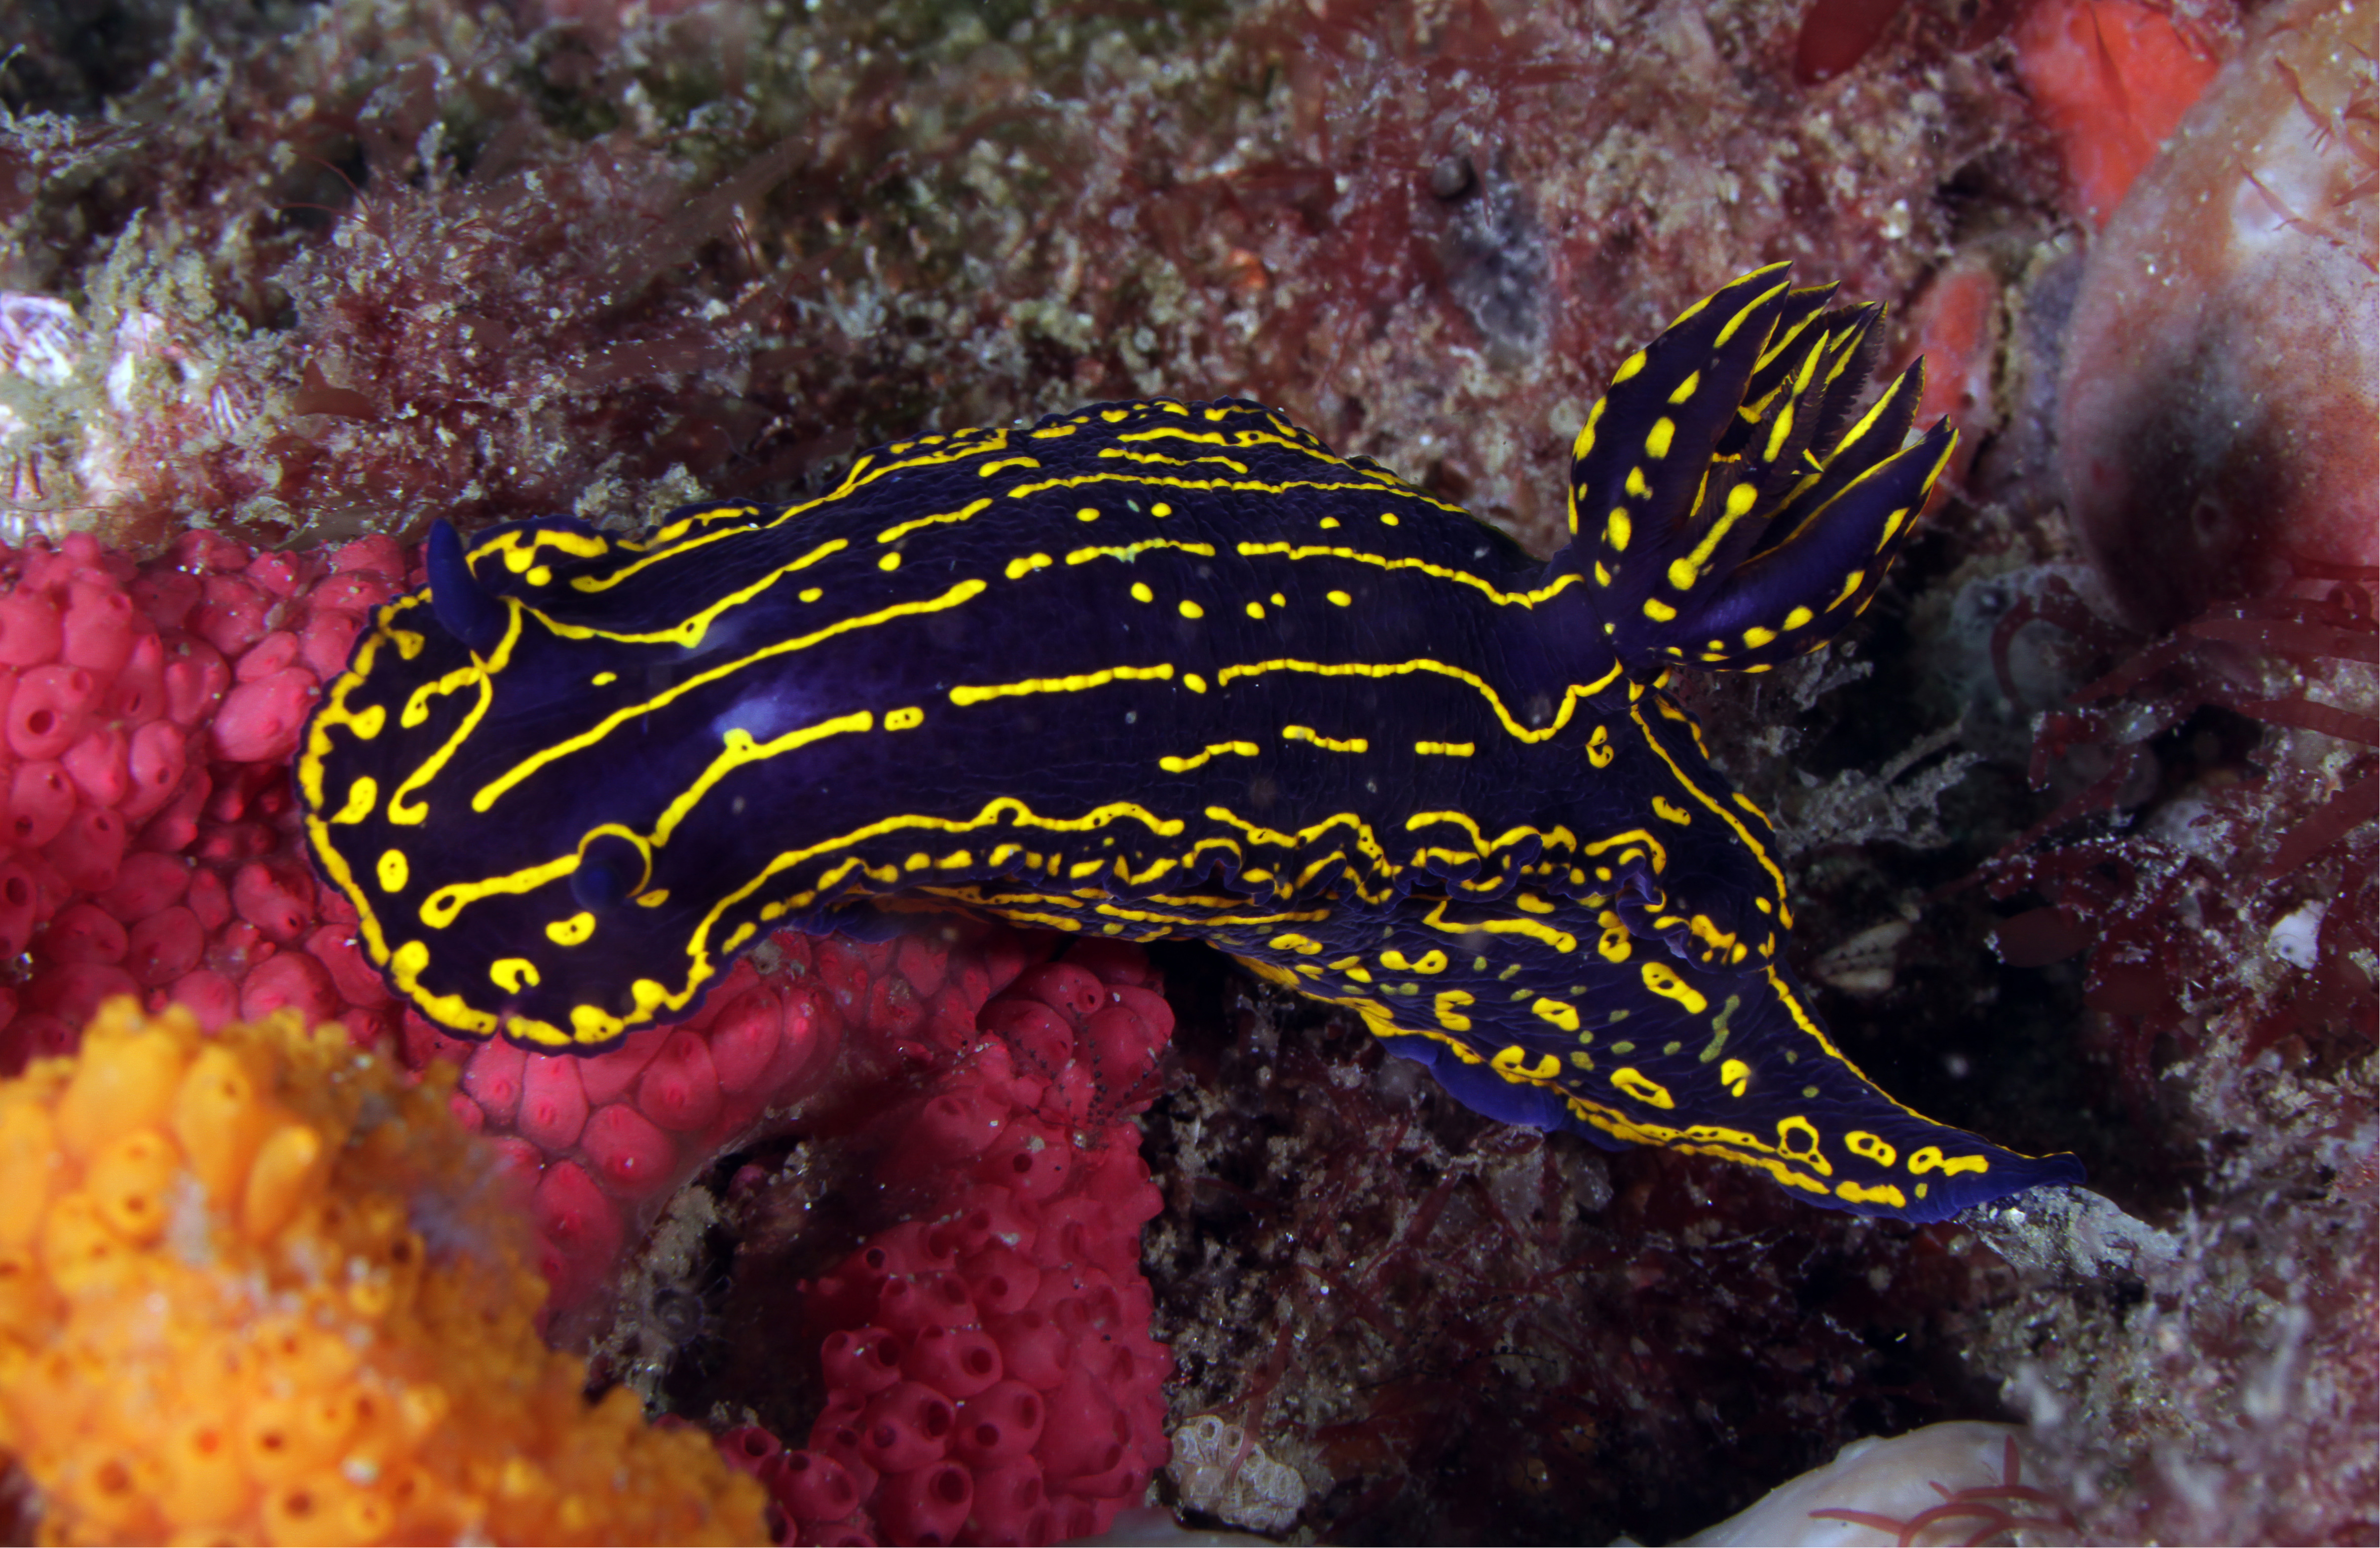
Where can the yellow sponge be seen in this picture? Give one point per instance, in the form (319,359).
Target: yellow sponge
(261,1287)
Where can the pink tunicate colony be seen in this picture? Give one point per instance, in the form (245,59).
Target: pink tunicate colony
(150,846)
(990,1377)
(598,1144)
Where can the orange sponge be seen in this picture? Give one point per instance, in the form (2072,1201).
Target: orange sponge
(2110,78)
(257,1287)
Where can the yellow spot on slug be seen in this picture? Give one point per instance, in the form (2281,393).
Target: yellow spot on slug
(1172,765)
(392,870)
(572,931)
(1874,1146)
(1586,442)
(1328,743)
(1512,1062)
(1642,1087)
(362,796)
(1931,1159)
(1669,985)
(1073,683)
(1809,1152)
(512,975)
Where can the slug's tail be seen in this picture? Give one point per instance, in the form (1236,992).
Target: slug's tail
(1729,508)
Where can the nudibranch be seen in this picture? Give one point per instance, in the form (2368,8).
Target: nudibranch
(1177,669)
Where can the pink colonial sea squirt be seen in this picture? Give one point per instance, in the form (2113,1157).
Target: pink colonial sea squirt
(2220,421)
